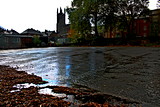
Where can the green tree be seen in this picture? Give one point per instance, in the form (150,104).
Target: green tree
(128,10)
(107,17)
(87,14)
(36,40)
(83,14)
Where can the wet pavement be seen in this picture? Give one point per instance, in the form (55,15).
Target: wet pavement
(131,72)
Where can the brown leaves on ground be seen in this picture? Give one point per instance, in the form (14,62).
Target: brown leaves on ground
(26,97)
(29,97)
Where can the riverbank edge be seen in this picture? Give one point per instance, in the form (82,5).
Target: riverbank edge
(147,45)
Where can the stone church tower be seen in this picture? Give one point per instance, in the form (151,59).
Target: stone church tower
(62,28)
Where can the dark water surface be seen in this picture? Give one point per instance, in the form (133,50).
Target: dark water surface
(132,72)
(56,65)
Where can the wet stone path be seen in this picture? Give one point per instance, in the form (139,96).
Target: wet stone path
(130,72)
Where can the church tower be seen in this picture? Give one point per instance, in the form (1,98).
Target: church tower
(60,21)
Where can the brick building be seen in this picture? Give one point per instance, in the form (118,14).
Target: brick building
(142,27)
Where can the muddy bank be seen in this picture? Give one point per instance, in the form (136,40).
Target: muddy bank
(26,97)
(132,72)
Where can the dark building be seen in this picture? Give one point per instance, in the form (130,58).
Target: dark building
(36,35)
(155,23)
(31,32)
(62,27)
(10,41)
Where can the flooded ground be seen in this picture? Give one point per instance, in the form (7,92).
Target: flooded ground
(131,72)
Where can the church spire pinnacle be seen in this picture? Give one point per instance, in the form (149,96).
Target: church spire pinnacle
(60,10)
(57,10)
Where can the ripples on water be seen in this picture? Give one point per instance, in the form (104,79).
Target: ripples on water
(55,65)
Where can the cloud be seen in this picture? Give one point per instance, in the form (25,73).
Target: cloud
(152,4)
(23,14)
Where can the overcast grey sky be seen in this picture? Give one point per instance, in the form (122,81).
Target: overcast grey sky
(38,14)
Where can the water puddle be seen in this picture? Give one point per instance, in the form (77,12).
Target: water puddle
(15,90)
(78,97)
(47,91)
(42,89)
(25,85)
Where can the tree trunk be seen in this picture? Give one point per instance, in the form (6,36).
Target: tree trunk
(95,24)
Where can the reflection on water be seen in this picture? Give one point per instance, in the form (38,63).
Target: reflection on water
(58,66)
(68,65)
(50,92)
